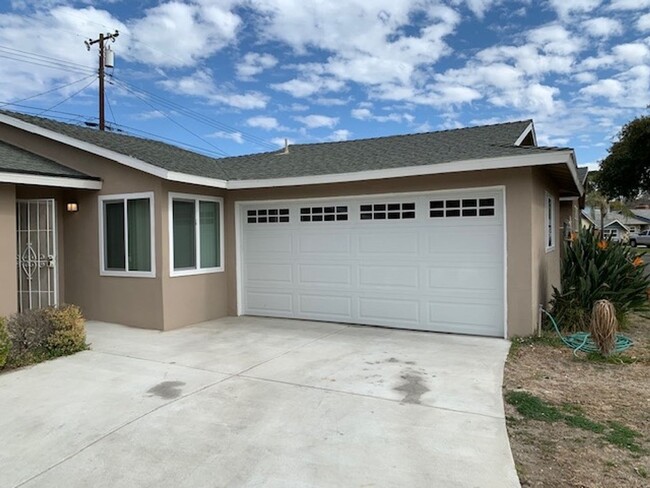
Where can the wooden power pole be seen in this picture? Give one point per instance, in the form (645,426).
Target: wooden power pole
(102,65)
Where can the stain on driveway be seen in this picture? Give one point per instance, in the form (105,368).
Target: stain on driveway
(167,390)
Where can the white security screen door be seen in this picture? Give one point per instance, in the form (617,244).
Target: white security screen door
(36,257)
(429,261)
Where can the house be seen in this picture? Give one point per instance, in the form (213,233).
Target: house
(586,222)
(619,225)
(453,231)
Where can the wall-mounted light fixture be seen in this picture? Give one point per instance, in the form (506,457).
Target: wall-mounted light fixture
(72,207)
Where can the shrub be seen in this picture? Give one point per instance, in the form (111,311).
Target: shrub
(68,330)
(5,343)
(28,331)
(593,269)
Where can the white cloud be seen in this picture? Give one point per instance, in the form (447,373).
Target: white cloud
(339,135)
(308,86)
(200,84)
(178,34)
(603,27)
(265,122)
(629,4)
(555,39)
(233,136)
(565,8)
(315,121)
(477,7)
(629,89)
(365,114)
(361,113)
(643,24)
(632,53)
(253,64)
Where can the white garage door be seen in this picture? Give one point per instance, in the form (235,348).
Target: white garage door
(429,261)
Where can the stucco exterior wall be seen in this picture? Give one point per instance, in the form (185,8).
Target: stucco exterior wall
(9,286)
(189,299)
(546,269)
(131,301)
(519,187)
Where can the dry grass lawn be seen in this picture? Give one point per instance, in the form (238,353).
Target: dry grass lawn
(578,422)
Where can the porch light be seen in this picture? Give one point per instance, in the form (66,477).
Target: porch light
(72,207)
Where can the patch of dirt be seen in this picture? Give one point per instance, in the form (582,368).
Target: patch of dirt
(554,454)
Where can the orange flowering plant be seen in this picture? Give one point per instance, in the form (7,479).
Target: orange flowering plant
(594,269)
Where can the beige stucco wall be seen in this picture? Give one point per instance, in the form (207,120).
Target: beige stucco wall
(519,188)
(9,285)
(546,264)
(189,299)
(130,301)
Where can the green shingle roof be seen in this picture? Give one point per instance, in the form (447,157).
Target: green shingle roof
(16,160)
(489,141)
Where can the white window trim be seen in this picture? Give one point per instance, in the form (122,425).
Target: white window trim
(127,196)
(198,270)
(549,200)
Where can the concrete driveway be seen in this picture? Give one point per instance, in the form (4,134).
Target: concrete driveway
(260,402)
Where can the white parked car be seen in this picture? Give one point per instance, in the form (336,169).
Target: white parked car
(642,238)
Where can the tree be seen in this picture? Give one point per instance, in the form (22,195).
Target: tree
(625,172)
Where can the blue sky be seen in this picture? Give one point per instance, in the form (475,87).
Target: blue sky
(240,76)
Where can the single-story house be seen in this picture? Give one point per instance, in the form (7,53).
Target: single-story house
(619,226)
(453,231)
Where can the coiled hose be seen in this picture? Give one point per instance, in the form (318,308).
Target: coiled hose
(582,341)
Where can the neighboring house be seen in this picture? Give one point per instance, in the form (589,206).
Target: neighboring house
(620,226)
(642,214)
(586,222)
(453,231)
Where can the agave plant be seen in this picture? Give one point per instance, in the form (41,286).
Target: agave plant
(595,269)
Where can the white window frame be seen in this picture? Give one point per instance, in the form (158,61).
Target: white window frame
(196,198)
(124,197)
(549,222)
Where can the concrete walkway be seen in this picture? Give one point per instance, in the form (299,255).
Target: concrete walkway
(260,402)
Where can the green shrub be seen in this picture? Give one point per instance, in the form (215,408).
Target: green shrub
(28,331)
(68,330)
(5,343)
(593,269)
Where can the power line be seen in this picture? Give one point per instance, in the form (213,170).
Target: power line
(16,102)
(110,107)
(224,153)
(46,64)
(198,116)
(43,56)
(67,98)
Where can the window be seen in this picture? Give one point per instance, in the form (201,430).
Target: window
(196,234)
(549,222)
(328,213)
(387,211)
(267,216)
(126,235)
(465,207)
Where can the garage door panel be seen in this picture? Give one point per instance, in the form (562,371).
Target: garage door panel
(415,271)
(262,301)
(325,306)
(325,242)
(388,276)
(324,274)
(261,273)
(463,277)
(269,243)
(389,310)
(399,242)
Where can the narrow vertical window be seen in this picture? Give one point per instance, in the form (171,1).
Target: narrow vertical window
(549,220)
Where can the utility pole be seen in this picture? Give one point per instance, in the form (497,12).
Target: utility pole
(102,65)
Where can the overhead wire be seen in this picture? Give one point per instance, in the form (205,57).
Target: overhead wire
(67,98)
(144,100)
(57,88)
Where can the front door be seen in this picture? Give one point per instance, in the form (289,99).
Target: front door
(37,254)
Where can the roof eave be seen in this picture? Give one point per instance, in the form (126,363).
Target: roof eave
(50,180)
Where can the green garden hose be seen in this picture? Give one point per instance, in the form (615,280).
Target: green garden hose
(582,341)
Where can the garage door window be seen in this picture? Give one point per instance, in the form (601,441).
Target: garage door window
(324,214)
(196,234)
(126,231)
(466,207)
(268,216)
(387,211)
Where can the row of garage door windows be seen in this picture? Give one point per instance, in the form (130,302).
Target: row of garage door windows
(469,207)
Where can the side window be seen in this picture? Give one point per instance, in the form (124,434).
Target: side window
(549,222)
(126,235)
